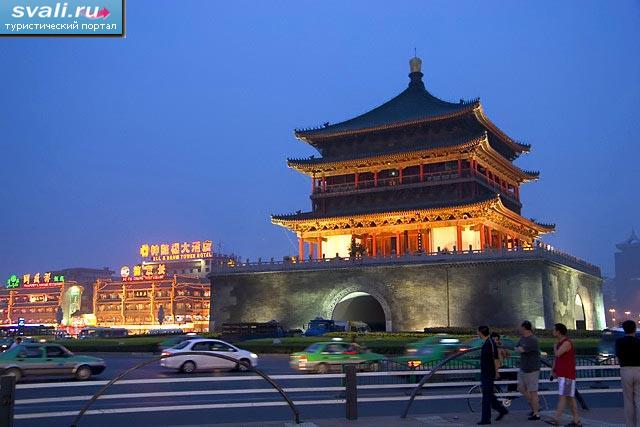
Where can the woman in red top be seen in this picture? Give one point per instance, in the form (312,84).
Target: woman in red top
(564,369)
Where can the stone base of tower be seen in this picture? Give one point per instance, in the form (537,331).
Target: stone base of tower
(499,290)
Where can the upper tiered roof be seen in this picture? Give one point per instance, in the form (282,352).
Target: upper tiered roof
(412,106)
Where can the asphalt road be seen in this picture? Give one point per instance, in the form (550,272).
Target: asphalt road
(154,396)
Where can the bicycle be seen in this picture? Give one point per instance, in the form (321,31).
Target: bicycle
(475,403)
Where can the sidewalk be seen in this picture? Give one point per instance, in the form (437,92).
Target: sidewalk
(602,417)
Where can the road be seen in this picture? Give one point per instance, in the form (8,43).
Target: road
(153,396)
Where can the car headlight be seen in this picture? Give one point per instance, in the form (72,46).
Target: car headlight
(253,355)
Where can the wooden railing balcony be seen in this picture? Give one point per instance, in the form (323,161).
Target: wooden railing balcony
(408,181)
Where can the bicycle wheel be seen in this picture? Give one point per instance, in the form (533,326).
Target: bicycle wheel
(475,402)
(544,406)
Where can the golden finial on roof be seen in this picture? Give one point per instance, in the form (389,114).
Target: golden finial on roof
(415,64)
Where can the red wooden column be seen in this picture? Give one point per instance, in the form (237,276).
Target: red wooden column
(516,192)
(400,174)
(319,244)
(426,240)
(398,244)
(421,172)
(459,167)
(300,249)
(459,238)
(489,242)
(374,244)
(375,179)
(356,179)
(482,237)
(313,185)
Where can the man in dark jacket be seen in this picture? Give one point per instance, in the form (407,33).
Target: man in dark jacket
(489,362)
(628,353)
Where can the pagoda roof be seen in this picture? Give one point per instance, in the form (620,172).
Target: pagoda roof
(412,106)
(313,165)
(491,205)
(632,241)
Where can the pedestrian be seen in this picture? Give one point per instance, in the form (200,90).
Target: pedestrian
(16,343)
(628,354)
(529,373)
(564,369)
(507,376)
(489,363)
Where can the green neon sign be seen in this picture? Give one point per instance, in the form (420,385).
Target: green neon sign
(13,282)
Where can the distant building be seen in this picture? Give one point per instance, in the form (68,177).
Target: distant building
(627,279)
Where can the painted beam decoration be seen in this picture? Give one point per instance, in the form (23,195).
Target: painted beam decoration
(177,251)
(34,280)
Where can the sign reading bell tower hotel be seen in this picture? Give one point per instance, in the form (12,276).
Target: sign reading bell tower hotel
(60,18)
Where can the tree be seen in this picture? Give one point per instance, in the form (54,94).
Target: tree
(59,315)
(160,315)
(356,249)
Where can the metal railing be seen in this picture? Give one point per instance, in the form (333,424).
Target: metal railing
(472,255)
(348,389)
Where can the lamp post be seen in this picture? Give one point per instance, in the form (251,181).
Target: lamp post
(613,316)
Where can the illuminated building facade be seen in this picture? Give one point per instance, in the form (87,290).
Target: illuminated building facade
(416,222)
(36,297)
(136,304)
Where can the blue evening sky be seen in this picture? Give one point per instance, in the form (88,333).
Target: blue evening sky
(180,131)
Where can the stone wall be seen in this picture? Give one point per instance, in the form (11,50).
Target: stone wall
(415,296)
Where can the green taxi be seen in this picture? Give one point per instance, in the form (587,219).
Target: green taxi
(323,357)
(48,359)
(431,349)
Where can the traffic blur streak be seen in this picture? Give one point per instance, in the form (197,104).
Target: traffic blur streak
(246,365)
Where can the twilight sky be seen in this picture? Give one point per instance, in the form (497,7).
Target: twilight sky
(180,131)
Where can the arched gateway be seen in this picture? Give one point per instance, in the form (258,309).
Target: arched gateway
(357,304)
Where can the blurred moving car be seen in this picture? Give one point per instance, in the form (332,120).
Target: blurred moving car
(607,345)
(48,359)
(322,357)
(88,333)
(431,349)
(189,363)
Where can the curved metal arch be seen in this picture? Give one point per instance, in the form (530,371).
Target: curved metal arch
(275,385)
(431,374)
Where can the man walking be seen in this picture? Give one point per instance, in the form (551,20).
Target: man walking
(489,363)
(564,369)
(628,353)
(529,373)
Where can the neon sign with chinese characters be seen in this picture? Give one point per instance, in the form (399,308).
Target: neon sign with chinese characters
(35,280)
(143,272)
(177,251)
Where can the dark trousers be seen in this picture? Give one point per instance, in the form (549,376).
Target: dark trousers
(489,400)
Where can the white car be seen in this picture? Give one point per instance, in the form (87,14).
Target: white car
(197,362)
